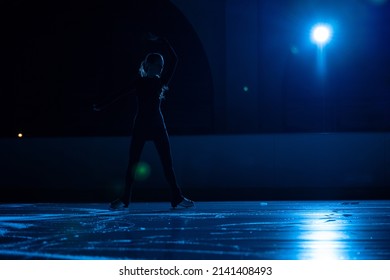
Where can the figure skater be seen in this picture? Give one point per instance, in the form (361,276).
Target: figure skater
(150,88)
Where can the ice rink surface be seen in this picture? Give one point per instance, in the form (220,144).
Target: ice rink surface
(256,230)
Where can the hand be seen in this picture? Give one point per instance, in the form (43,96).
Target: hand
(96,108)
(152,37)
(155,38)
(162,93)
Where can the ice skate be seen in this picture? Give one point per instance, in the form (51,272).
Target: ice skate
(183,204)
(118,205)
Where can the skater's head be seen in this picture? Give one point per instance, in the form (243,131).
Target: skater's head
(152,65)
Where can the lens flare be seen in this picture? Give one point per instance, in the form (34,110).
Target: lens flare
(142,171)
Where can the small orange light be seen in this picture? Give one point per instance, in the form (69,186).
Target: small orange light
(20,135)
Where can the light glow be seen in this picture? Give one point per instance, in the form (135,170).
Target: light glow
(321,34)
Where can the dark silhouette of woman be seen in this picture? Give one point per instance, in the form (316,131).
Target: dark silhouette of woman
(149,125)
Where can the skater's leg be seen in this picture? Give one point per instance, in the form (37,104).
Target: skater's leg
(136,146)
(164,151)
(163,148)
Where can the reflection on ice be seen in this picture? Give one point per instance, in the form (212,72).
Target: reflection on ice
(325,239)
(324,244)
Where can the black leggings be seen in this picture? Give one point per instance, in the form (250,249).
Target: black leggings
(161,142)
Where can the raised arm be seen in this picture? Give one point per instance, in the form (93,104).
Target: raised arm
(169,75)
(166,75)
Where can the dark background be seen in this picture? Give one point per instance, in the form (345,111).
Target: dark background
(59,57)
(62,56)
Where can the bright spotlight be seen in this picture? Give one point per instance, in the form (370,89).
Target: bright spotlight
(321,34)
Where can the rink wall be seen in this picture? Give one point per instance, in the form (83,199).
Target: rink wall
(213,167)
